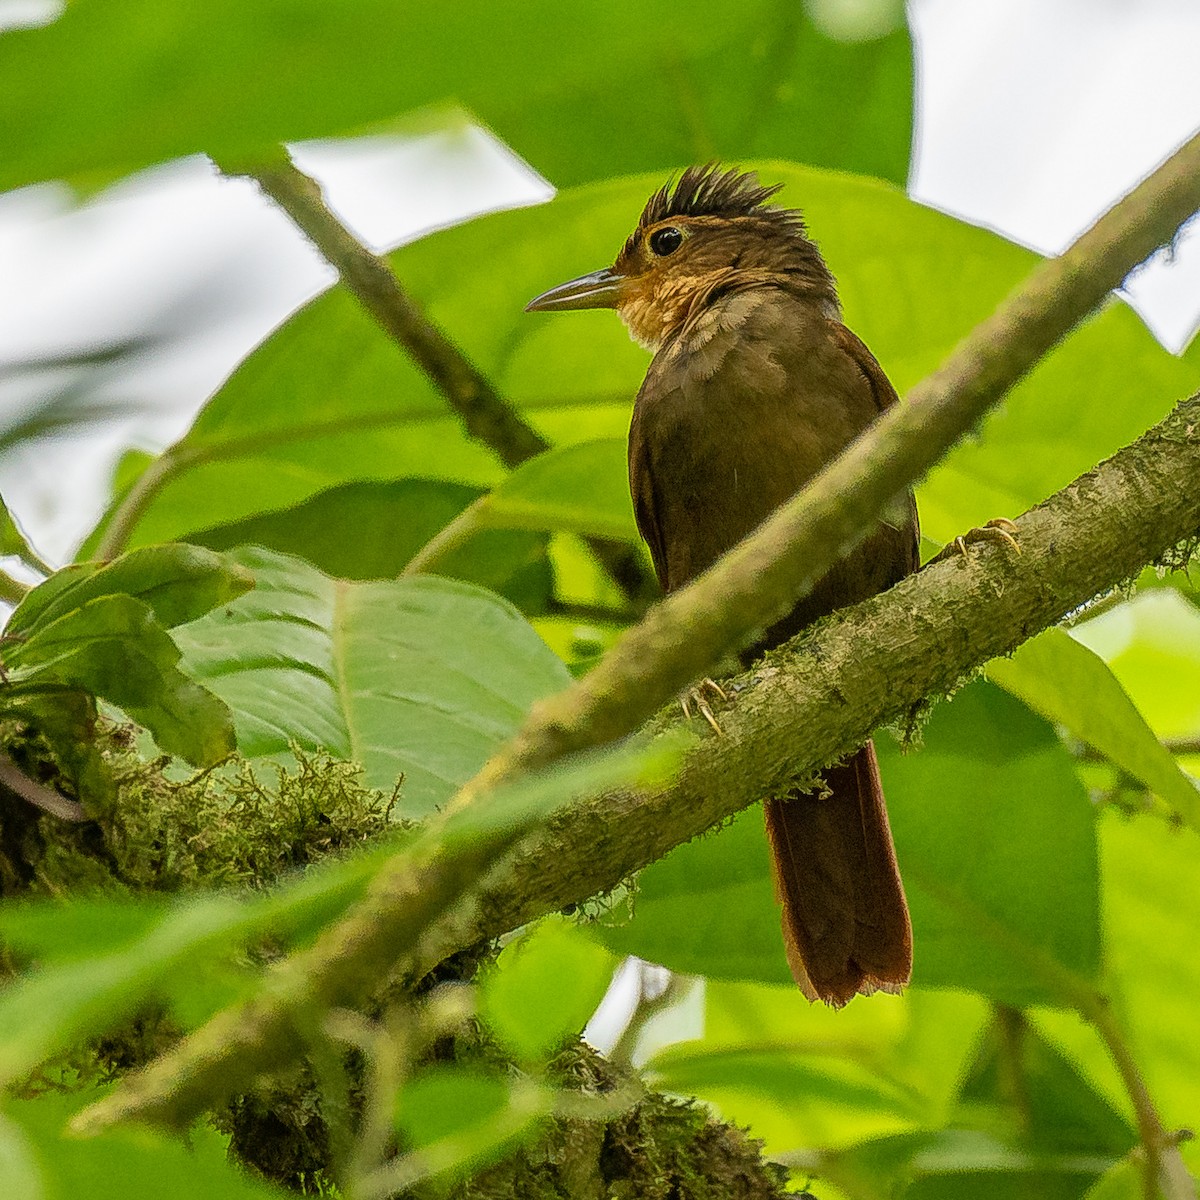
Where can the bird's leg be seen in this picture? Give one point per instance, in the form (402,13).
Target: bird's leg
(1001,530)
(695,696)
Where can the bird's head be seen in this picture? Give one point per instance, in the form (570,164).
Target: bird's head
(711,234)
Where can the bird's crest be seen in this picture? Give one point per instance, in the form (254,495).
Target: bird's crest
(709,191)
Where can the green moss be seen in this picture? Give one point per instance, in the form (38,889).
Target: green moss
(658,1149)
(240,824)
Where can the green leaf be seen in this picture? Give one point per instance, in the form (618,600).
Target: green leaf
(146,83)
(113,648)
(543,988)
(997,845)
(1152,646)
(13,543)
(183,81)
(580,489)
(371,530)
(1151,912)
(20,1173)
(779,89)
(53,931)
(1067,683)
(122,1164)
(824,1093)
(458,1117)
(707,908)
(327,399)
(53,1008)
(910,1051)
(177,582)
(447,1099)
(952,1163)
(107,960)
(420,676)
(1126,1181)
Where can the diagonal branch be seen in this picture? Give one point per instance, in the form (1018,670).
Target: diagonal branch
(837,682)
(761,579)
(486,415)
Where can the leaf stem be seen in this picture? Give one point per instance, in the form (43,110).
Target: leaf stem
(12,591)
(448,538)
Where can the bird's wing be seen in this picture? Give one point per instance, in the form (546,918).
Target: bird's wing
(907,519)
(881,385)
(641,489)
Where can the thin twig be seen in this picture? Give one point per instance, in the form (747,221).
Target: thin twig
(854,672)
(1179,746)
(1162,1168)
(14,780)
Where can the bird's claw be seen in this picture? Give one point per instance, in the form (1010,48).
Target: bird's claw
(695,696)
(1001,529)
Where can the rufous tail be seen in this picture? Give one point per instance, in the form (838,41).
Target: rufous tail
(845,921)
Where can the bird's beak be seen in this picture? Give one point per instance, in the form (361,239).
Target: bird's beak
(600,289)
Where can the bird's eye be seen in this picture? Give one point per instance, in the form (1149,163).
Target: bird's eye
(666,241)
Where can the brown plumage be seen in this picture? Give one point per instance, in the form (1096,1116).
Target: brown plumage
(756,385)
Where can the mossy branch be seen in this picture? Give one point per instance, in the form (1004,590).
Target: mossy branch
(839,681)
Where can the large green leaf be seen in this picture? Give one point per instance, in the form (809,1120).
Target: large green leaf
(329,398)
(1054,1107)
(371,530)
(996,844)
(580,488)
(420,676)
(785,89)
(583,90)
(1152,645)
(827,1092)
(953,1163)
(1072,686)
(707,908)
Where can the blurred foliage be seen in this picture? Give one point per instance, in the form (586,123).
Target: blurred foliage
(404,583)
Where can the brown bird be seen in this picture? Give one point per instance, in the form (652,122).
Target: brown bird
(755,386)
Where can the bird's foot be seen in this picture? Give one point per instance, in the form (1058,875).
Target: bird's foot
(1001,530)
(695,697)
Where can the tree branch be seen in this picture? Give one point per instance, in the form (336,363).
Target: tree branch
(485,414)
(837,682)
(762,578)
